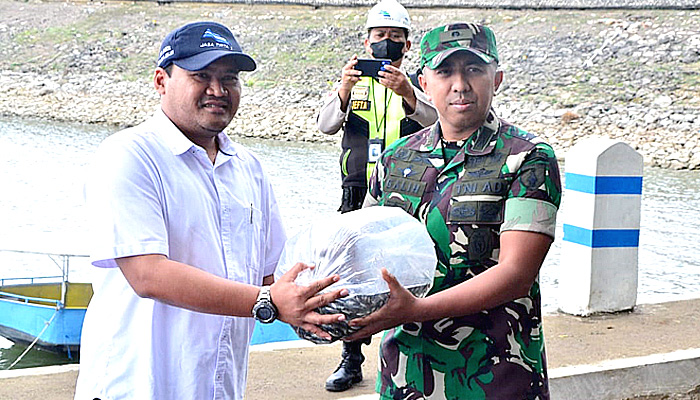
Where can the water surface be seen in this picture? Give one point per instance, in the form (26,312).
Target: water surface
(43,166)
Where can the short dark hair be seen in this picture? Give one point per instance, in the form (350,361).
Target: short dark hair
(169,69)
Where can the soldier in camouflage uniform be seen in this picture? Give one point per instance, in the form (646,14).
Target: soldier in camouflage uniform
(488,193)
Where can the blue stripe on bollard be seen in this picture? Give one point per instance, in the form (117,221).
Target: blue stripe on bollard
(604,184)
(601,237)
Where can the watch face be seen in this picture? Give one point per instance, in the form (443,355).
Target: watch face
(265,314)
(264,311)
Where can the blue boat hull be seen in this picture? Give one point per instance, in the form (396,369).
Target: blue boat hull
(25,310)
(23,322)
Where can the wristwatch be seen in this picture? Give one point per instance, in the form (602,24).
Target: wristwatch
(263,310)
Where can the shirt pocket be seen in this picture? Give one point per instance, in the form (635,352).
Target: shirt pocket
(242,238)
(478,201)
(256,244)
(475,213)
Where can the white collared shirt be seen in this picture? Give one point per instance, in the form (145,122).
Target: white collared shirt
(152,191)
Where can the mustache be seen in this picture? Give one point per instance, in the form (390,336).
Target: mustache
(219,101)
(460,100)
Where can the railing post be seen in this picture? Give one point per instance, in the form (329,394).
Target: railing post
(601,219)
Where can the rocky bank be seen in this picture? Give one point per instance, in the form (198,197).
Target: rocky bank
(632,75)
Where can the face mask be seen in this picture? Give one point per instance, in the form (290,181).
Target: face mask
(387,48)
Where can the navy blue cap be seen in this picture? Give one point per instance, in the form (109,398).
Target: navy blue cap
(196,45)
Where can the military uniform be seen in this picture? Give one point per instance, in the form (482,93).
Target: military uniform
(466,193)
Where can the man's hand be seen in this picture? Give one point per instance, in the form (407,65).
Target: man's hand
(392,78)
(296,304)
(349,77)
(399,309)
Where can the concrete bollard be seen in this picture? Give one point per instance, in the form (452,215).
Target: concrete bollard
(603,195)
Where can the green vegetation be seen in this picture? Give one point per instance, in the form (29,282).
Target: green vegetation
(257,83)
(27,37)
(304,47)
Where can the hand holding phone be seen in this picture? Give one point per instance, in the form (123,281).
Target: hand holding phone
(371,66)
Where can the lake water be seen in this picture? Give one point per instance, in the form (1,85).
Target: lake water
(43,163)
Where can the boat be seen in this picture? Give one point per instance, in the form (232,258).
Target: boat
(48,311)
(44,311)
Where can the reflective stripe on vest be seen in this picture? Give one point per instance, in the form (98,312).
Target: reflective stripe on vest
(384,115)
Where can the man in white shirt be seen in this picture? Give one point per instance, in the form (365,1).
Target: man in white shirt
(186,229)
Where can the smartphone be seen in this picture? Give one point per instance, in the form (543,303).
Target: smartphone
(371,66)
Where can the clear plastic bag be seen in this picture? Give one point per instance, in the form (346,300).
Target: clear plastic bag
(356,245)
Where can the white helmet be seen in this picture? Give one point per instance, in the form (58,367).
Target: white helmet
(388,13)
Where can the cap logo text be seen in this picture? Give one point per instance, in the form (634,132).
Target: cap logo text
(166,52)
(219,40)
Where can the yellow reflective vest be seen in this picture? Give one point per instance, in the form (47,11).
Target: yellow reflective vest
(376,119)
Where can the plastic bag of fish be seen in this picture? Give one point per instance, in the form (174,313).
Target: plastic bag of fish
(356,245)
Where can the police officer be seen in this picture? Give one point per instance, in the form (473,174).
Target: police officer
(373,113)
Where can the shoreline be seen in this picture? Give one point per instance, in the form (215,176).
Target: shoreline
(630,75)
(670,149)
(608,356)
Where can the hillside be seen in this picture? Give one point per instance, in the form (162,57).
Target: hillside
(631,75)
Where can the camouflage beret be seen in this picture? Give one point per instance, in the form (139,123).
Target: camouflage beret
(440,43)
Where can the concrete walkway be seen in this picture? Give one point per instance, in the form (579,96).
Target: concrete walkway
(653,350)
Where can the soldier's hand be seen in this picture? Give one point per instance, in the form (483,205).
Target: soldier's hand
(399,309)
